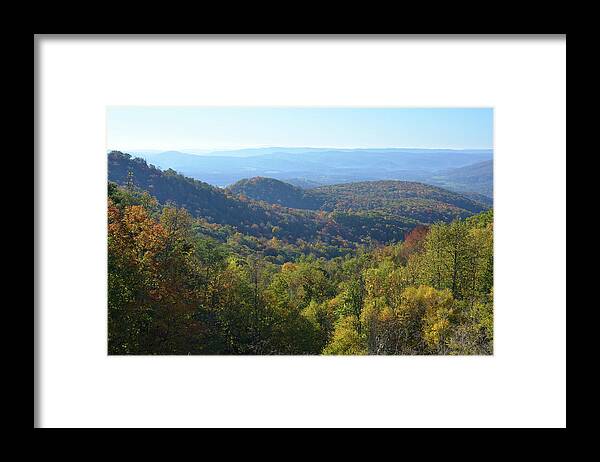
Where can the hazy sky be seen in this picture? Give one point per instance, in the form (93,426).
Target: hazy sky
(179,128)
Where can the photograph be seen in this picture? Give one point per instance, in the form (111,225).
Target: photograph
(300,230)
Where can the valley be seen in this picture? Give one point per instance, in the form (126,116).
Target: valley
(333,264)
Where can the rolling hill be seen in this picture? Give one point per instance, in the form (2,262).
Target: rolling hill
(412,200)
(251,217)
(277,192)
(341,215)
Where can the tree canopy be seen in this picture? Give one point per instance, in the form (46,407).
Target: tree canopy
(179,283)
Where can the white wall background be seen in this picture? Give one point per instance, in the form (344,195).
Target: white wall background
(523,384)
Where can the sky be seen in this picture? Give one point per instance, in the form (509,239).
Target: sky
(214,128)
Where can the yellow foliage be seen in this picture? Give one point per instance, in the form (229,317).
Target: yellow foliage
(346,340)
(288,267)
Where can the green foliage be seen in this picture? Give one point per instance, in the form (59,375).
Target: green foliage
(276,192)
(322,318)
(346,340)
(417,201)
(410,201)
(283,221)
(181,284)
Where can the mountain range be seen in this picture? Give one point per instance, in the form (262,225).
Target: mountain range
(341,215)
(465,171)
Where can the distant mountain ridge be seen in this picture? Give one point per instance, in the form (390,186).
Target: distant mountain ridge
(303,183)
(477,178)
(326,165)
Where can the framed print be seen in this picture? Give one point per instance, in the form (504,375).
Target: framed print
(256,232)
(359,238)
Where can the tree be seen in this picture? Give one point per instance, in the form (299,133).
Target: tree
(414,242)
(346,339)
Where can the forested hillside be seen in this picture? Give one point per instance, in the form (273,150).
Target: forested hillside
(422,202)
(365,268)
(277,192)
(172,290)
(258,219)
(328,220)
(412,200)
